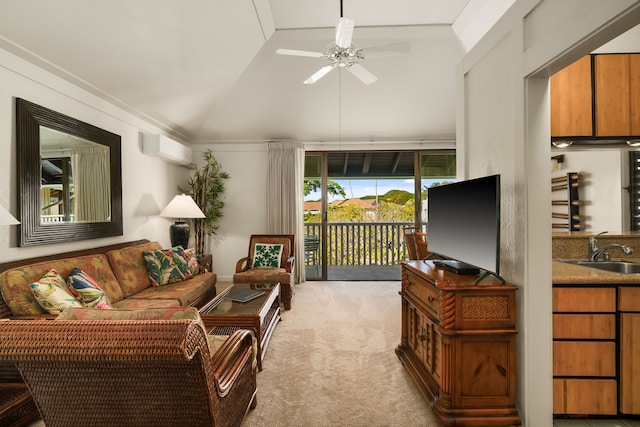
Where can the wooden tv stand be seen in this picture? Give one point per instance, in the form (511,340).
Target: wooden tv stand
(459,344)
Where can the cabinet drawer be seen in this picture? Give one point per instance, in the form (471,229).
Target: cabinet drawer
(584,326)
(584,358)
(629,299)
(594,300)
(425,295)
(578,396)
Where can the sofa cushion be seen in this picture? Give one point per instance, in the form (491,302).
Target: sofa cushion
(52,293)
(267,255)
(171,313)
(87,290)
(167,266)
(139,304)
(263,275)
(185,292)
(14,283)
(130,268)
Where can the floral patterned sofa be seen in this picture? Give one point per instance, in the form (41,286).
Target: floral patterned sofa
(120,271)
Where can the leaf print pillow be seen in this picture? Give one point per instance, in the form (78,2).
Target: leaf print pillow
(167,266)
(266,255)
(87,290)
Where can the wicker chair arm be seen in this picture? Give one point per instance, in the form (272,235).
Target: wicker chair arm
(243,264)
(290,262)
(231,358)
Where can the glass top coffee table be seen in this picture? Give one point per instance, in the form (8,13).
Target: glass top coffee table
(222,316)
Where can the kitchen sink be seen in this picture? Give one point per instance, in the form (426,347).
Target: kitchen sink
(624,267)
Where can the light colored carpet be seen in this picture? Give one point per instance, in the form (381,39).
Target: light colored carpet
(331,361)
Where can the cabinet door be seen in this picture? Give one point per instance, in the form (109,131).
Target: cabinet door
(613,100)
(630,363)
(634,83)
(584,358)
(584,396)
(571,99)
(424,341)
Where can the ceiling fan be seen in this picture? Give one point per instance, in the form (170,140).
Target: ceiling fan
(345,54)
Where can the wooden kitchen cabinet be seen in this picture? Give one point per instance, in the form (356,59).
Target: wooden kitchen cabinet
(584,351)
(597,96)
(629,306)
(571,100)
(458,343)
(617,94)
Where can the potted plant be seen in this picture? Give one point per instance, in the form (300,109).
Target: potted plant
(206,186)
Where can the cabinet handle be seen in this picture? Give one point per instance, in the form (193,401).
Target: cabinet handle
(430,298)
(422,336)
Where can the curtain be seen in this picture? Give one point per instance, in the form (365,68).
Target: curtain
(91,183)
(285,174)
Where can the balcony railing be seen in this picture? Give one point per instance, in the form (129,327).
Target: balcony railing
(362,243)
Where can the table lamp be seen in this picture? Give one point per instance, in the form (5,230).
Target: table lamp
(182,206)
(6,218)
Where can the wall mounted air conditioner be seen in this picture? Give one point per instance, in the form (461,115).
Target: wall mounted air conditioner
(166,148)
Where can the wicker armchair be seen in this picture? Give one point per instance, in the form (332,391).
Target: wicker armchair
(283,274)
(132,372)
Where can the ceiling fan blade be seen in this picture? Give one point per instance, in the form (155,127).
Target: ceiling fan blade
(386,51)
(319,74)
(344,32)
(362,73)
(294,52)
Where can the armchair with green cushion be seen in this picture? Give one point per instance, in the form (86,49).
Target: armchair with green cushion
(154,369)
(270,261)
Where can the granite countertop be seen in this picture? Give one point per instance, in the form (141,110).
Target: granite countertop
(564,273)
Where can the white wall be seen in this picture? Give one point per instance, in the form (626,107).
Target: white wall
(602,193)
(245,202)
(148,184)
(503,127)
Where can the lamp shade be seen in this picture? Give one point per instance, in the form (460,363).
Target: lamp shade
(182,206)
(6,218)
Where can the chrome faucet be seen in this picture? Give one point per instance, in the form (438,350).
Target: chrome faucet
(595,251)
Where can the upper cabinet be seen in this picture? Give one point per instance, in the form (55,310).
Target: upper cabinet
(571,99)
(597,96)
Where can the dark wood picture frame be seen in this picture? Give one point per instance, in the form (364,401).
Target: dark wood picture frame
(29,118)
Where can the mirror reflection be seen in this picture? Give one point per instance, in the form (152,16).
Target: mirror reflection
(75,179)
(70,178)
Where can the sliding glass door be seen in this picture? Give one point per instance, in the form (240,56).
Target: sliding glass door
(357,205)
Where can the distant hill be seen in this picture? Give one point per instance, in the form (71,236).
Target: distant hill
(399,197)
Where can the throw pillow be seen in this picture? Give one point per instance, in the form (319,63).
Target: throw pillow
(167,266)
(87,290)
(266,255)
(192,261)
(52,294)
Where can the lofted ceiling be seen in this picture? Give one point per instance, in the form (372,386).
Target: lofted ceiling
(207,71)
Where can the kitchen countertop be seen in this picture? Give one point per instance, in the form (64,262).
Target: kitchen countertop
(564,273)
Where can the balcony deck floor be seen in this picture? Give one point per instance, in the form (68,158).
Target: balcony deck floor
(356,272)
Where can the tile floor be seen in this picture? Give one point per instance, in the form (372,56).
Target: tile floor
(595,423)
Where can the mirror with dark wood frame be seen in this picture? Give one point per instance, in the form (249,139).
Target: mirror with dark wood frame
(69,177)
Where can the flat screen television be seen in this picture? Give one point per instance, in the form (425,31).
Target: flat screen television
(463,225)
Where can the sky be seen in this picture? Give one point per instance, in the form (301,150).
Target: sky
(356,188)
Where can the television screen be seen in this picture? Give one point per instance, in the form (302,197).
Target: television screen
(463,222)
